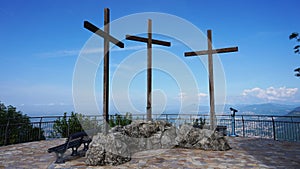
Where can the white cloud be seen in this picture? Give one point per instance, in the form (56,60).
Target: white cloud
(271,93)
(202,95)
(59,53)
(50,104)
(182,95)
(137,47)
(92,50)
(190,98)
(76,52)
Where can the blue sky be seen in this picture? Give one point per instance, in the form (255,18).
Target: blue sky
(41,42)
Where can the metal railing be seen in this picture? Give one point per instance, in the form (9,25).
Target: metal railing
(275,127)
(41,128)
(263,126)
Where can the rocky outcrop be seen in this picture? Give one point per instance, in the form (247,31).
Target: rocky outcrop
(191,137)
(120,143)
(108,149)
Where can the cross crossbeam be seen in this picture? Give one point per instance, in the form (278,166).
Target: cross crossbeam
(210,52)
(154,41)
(103,34)
(206,52)
(149,42)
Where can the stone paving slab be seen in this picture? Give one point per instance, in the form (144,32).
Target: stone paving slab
(245,153)
(28,155)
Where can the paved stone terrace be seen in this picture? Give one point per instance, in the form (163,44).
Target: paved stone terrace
(245,153)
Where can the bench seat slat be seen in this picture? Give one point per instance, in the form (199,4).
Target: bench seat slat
(76,143)
(59,148)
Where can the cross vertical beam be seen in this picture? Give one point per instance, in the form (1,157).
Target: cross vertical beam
(106,71)
(210,53)
(149,42)
(149,71)
(107,38)
(211,81)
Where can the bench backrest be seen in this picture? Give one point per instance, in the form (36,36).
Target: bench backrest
(75,137)
(78,135)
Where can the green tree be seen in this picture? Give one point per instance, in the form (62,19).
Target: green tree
(16,127)
(295,36)
(89,122)
(67,125)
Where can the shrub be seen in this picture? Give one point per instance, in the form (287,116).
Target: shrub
(199,123)
(120,120)
(65,126)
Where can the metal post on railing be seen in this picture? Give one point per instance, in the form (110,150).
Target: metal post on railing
(40,128)
(274,130)
(69,129)
(6,133)
(243,121)
(294,131)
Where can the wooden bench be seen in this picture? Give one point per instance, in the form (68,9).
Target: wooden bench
(74,141)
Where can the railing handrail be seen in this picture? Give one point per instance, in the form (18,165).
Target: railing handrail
(44,118)
(171,114)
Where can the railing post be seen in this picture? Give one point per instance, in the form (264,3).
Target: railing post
(40,128)
(274,130)
(6,133)
(68,125)
(243,121)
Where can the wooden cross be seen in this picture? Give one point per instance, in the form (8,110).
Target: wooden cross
(210,52)
(149,42)
(107,38)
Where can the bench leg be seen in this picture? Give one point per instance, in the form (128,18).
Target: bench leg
(74,151)
(86,146)
(59,158)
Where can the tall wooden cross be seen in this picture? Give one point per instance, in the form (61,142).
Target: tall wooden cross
(107,38)
(149,42)
(210,52)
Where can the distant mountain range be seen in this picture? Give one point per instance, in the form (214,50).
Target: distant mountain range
(295,112)
(253,109)
(266,109)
